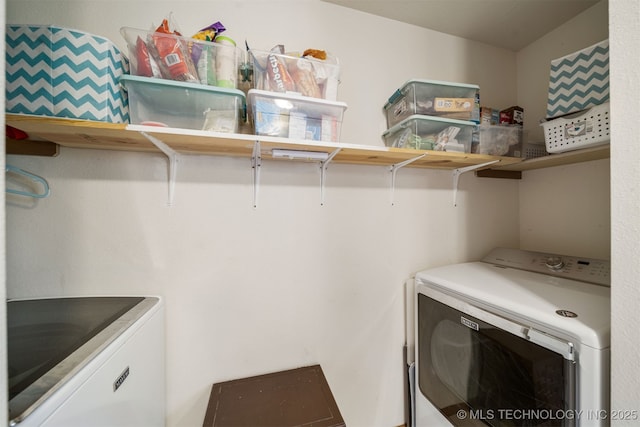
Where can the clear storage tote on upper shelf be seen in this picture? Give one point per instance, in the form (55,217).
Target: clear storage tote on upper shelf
(168,56)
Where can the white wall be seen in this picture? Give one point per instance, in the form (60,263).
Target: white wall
(290,283)
(564,209)
(625,196)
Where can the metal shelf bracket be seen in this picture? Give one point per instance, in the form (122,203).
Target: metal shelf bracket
(323,172)
(172,156)
(460,171)
(256,162)
(394,169)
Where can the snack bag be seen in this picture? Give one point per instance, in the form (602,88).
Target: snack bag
(204,56)
(302,73)
(172,59)
(316,74)
(208,34)
(147,66)
(279,78)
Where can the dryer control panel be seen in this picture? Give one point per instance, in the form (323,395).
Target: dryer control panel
(589,270)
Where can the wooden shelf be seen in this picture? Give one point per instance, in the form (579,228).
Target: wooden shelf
(124,137)
(111,136)
(559,159)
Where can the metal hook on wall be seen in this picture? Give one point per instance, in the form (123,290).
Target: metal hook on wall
(32,177)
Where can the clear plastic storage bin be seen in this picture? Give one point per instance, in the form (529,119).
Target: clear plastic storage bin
(431,133)
(174,104)
(307,76)
(499,140)
(185,59)
(434,98)
(295,116)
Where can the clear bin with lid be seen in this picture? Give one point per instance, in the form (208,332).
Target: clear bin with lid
(295,116)
(308,76)
(434,98)
(172,57)
(431,133)
(183,105)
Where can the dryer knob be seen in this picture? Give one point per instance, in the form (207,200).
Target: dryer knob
(554,263)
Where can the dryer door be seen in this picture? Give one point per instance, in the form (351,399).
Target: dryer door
(477,368)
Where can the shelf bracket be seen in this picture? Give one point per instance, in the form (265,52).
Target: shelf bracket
(323,172)
(460,171)
(256,162)
(394,168)
(172,156)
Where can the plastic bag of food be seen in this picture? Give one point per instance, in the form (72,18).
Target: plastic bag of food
(302,73)
(204,56)
(316,74)
(147,65)
(326,71)
(279,79)
(174,63)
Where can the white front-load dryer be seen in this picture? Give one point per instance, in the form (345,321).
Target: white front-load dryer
(519,338)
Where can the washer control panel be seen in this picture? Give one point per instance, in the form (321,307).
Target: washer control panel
(583,269)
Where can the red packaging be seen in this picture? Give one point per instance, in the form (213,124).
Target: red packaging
(142,55)
(279,78)
(512,116)
(170,52)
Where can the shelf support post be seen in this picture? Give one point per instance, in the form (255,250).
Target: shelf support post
(460,171)
(256,162)
(172,156)
(394,168)
(323,172)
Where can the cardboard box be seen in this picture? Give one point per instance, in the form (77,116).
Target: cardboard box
(447,105)
(512,116)
(61,72)
(579,81)
(489,116)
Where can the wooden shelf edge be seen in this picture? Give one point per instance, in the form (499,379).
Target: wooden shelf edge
(122,136)
(570,157)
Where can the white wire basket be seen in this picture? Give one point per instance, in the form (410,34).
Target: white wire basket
(531,151)
(584,129)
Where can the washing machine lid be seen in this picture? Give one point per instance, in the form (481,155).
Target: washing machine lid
(49,338)
(540,299)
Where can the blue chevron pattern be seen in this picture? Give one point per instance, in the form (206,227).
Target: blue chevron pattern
(62,72)
(579,81)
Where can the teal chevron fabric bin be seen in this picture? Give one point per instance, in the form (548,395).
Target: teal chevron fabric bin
(579,81)
(62,72)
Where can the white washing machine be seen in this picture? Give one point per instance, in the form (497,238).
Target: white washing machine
(519,338)
(86,361)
